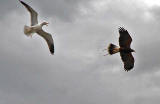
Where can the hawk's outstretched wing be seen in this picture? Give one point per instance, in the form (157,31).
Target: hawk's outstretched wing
(128,60)
(124,39)
(33,13)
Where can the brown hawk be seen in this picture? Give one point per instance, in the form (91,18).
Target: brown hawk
(124,49)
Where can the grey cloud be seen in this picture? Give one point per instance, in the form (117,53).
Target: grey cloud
(7,6)
(65,10)
(155,11)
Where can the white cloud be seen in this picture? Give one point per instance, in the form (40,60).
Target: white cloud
(151,3)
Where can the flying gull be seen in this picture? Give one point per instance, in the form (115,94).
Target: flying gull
(37,28)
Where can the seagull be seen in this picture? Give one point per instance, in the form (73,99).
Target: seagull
(37,28)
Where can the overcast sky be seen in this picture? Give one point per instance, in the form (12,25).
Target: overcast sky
(78,73)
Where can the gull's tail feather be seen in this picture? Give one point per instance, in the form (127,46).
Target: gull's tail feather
(112,49)
(28,31)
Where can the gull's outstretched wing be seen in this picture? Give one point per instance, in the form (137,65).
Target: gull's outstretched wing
(33,13)
(48,38)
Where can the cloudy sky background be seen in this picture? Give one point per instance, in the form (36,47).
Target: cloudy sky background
(78,73)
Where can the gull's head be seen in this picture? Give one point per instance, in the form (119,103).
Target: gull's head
(45,23)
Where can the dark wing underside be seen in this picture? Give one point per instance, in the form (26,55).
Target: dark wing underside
(48,38)
(128,60)
(124,39)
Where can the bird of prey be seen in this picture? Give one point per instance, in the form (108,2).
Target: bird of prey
(124,49)
(37,28)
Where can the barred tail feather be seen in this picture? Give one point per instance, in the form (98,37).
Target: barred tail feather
(112,49)
(27,31)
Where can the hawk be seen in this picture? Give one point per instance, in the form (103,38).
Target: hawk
(124,49)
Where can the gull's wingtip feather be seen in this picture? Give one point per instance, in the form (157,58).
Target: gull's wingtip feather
(52,49)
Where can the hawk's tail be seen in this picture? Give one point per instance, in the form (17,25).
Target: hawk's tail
(112,49)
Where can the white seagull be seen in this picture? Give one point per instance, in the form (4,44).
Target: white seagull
(37,28)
